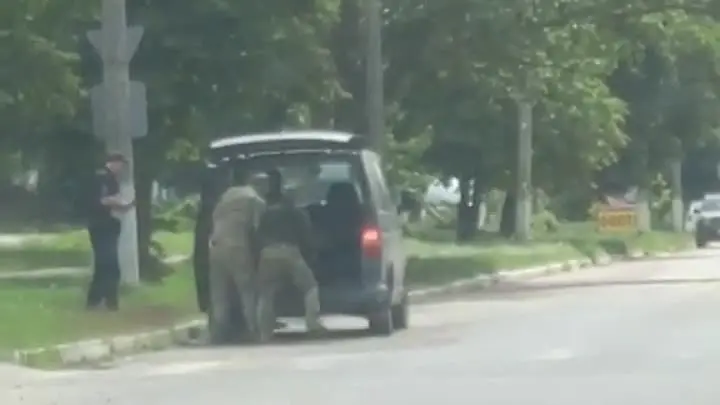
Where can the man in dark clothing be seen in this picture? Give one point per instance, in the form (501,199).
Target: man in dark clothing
(285,242)
(104,207)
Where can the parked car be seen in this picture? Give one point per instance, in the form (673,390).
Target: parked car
(692,215)
(707,227)
(340,182)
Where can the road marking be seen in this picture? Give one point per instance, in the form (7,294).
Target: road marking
(185,368)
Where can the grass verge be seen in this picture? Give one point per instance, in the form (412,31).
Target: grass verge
(438,263)
(49,311)
(72,249)
(585,238)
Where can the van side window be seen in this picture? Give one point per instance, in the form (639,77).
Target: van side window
(378,184)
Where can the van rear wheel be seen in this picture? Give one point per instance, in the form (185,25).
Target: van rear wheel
(381,322)
(700,242)
(401,313)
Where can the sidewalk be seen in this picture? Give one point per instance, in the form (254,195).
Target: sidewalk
(67,271)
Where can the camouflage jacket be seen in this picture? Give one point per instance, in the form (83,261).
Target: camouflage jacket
(236,217)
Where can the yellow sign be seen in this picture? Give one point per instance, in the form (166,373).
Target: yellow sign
(616,219)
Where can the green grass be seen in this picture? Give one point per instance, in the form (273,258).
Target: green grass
(585,238)
(49,311)
(66,250)
(436,259)
(175,243)
(72,249)
(438,263)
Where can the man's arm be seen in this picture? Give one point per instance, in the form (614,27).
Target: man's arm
(116,202)
(103,190)
(258,208)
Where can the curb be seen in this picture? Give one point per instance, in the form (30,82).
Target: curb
(100,350)
(488,280)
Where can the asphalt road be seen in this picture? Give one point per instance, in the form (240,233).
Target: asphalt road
(636,333)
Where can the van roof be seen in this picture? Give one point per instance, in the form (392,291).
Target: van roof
(285,139)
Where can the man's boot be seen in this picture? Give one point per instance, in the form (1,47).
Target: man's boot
(265,320)
(312,312)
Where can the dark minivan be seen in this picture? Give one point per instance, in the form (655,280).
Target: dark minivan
(340,182)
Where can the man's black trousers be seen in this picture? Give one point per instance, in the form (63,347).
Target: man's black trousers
(106,271)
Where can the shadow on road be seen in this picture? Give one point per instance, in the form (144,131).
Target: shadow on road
(290,338)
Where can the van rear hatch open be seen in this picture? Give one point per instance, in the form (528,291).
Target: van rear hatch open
(335,162)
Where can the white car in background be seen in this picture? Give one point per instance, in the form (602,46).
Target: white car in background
(707,226)
(692,215)
(441,193)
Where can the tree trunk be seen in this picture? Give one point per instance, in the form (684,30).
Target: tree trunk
(465,225)
(507,219)
(477,201)
(146,167)
(678,210)
(347,50)
(148,264)
(644,220)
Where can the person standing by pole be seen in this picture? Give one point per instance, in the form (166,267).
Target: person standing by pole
(104,210)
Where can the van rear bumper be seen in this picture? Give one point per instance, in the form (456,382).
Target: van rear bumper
(337,300)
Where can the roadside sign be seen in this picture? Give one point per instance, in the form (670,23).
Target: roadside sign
(616,219)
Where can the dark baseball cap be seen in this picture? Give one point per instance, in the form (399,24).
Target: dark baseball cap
(115,157)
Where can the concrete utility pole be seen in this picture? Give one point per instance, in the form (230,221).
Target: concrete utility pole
(375,97)
(523,213)
(120,114)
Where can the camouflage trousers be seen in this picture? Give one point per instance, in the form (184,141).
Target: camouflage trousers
(278,263)
(232,272)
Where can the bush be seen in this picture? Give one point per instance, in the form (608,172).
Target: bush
(545,222)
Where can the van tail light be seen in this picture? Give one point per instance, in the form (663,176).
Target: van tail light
(371,242)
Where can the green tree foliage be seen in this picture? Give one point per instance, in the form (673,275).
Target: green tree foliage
(620,87)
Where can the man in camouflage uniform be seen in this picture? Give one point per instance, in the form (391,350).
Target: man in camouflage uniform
(233,258)
(286,242)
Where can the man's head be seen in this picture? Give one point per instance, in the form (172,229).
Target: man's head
(240,176)
(115,162)
(274,179)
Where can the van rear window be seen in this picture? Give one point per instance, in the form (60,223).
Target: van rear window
(314,190)
(307,178)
